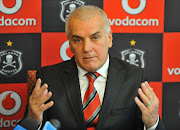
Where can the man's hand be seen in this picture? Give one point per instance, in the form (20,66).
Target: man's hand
(149,106)
(37,101)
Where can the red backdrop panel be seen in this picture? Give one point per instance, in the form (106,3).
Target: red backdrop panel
(171,57)
(13,98)
(26,19)
(52,51)
(123,21)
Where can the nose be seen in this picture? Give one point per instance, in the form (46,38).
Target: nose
(87,46)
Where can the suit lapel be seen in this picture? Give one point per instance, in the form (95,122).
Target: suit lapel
(113,85)
(71,83)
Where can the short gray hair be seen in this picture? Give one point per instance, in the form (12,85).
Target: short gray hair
(86,12)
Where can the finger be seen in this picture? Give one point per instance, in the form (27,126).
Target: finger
(146,91)
(150,88)
(38,84)
(45,92)
(154,97)
(39,91)
(47,106)
(144,98)
(140,104)
(44,98)
(43,88)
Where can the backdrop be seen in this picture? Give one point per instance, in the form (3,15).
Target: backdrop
(146,33)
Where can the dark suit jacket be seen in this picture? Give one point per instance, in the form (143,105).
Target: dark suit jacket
(119,110)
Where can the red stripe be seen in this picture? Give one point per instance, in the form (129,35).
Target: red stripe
(91,108)
(89,92)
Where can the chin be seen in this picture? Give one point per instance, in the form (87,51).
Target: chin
(91,69)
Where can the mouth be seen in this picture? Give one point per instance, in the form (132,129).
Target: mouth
(89,58)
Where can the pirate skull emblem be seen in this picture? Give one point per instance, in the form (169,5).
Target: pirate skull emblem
(10,62)
(9,58)
(72,7)
(132,59)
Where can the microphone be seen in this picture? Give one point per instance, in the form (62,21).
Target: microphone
(27,124)
(53,124)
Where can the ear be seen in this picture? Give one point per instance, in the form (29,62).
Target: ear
(110,38)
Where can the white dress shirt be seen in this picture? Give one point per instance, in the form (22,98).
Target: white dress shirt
(99,83)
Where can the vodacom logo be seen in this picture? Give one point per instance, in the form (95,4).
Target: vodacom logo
(65,51)
(127,21)
(15,21)
(12,10)
(130,10)
(10,103)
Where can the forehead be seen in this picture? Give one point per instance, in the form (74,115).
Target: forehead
(85,27)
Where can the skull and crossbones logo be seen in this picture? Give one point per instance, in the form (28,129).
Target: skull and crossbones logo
(132,59)
(10,62)
(72,7)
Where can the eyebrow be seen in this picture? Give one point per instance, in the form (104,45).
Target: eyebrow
(95,33)
(76,36)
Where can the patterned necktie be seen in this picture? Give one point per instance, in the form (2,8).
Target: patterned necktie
(91,103)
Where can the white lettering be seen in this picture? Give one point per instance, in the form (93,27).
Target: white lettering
(176,71)
(153,22)
(144,22)
(118,22)
(110,22)
(134,22)
(16,22)
(13,22)
(21,22)
(8,22)
(30,21)
(8,123)
(125,22)
(138,22)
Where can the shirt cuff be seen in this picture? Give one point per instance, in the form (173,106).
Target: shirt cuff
(153,127)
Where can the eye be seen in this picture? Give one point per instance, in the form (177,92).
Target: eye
(77,40)
(95,37)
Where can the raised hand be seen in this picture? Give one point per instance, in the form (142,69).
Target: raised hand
(37,101)
(149,105)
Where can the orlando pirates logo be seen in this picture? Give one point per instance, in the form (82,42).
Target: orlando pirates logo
(134,57)
(10,62)
(69,6)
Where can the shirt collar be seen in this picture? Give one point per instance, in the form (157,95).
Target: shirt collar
(103,71)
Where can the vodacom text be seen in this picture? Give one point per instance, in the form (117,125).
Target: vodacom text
(127,21)
(8,123)
(5,21)
(175,71)
(134,22)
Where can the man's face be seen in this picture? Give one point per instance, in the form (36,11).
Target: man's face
(89,43)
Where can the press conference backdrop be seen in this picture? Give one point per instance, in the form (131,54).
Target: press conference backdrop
(146,33)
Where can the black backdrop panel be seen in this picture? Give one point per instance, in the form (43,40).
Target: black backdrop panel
(171,106)
(55,12)
(146,52)
(23,55)
(172,19)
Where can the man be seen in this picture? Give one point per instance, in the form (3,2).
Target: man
(61,91)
